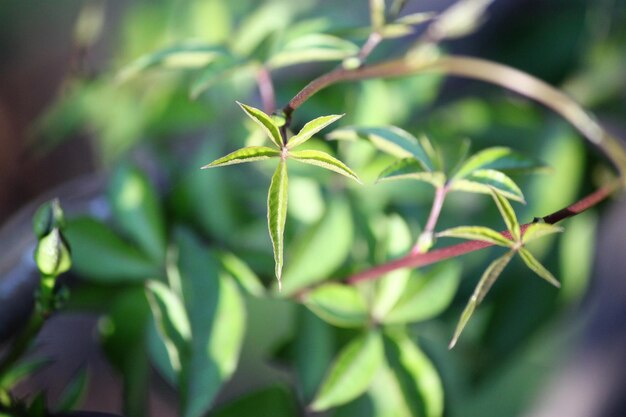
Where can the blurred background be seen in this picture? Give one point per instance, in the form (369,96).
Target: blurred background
(78,112)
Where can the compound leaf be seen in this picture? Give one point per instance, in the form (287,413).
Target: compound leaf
(277,214)
(265,122)
(312,128)
(248,154)
(324,160)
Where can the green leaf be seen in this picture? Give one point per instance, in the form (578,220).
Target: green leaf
(417,378)
(186,56)
(277,214)
(217,72)
(490,275)
(266,122)
(538,230)
(483,234)
(242,273)
(137,209)
(416,18)
(338,304)
(499,159)
(100,255)
(537,268)
(52,254)
(426,295)
(275,400)
(330,240)
(313,47)
(248,154)
(480,181)
(324,160)
(172,321)
(410,168)
(377,14)
(351,372)
(396,30)
(390,139)
(73,392)
(312,128)
(460,19)
(508,214)
(22,370)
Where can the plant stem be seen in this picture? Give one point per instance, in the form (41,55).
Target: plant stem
(370,44)
(266,90)
(438,255)
(425,239)
(22,342)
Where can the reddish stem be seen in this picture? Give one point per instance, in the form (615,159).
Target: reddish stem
(266,89)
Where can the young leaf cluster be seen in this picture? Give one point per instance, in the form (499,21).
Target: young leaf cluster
(514,242)
(282,150)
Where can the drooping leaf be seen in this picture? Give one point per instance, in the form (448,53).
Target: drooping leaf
(490,276)
(248,154)
(277,214)
(480,181)
(311,128)
(313,47)
(508,214)
(537,267)
(499,159)
(338,304)
(172,321)
(186,56)
(324,160)
(483,234)
(329,239)
(538,230)
(390,139)
(426,295)
(351,372)
(410,168)
(100,255)
(421,387)
(137,209)
(265,121)
(242,273)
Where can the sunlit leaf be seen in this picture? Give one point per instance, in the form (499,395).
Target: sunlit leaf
(351,372)
(324,160)
(21,370)
(186,56)
(52,254)
(390,139)
(396,30)
(242,273)
(312,48)
(312,128)
(216,72)
(416,18)
(490,276)
(100,255)
(137,209)
(537,268)
(265,122)
(426,295)
(460,19)
(339,305)
(497,158)
(410,168)
(277,214)
(417,378)
(538,230)
(377,14)
(330,239)
(483,234)
(508,214)
(482,180)
(249,154)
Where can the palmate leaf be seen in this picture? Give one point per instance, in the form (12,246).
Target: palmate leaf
(248,154)
(324,160)
(497,158)
(537,230)
(483,234)
(265,122)
(392,140)
(508,214)
(313,47)
(537,268)
(490,275)
(277,215)
(482,180)
(410,168)
(352,371)
(312,128)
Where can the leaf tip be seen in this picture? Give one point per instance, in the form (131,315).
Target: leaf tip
(452,343)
